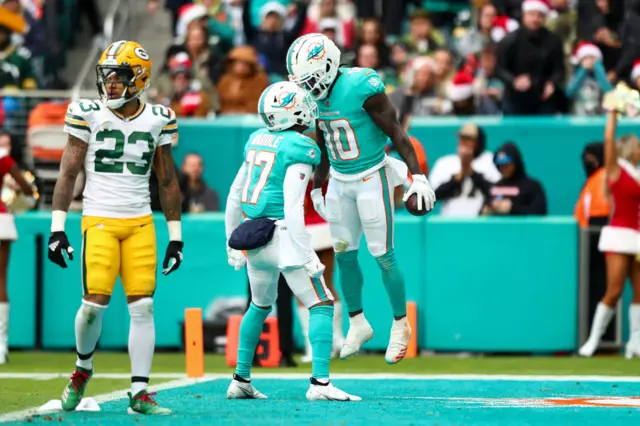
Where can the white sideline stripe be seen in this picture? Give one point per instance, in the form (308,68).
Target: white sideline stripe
(357,376)
(180,380)
(111,396)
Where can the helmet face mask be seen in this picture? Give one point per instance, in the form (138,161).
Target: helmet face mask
(284,105)
(109,75)
(126,64)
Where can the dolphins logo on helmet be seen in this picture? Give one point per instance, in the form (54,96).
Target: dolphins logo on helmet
(316,51)
(286,100)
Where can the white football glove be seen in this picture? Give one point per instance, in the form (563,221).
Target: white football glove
(237,259)
(420,186)
(314,267)
(318,202)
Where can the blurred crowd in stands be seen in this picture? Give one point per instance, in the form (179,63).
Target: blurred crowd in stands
(454,57)
(436,57)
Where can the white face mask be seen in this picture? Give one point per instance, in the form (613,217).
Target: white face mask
(4,152)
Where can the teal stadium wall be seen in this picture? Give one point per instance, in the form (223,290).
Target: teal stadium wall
(551,147)
(491,284)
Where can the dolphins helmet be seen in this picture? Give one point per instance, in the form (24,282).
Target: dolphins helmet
(312,62)
(283,105)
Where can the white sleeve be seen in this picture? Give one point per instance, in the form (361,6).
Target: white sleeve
(233,211)
(169,133)
(76,122)
(295,188)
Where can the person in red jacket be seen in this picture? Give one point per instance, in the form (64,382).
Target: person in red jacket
(8,234)
(321,242)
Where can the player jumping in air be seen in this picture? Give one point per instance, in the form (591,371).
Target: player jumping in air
(270,190)
(117,140)
(356,119)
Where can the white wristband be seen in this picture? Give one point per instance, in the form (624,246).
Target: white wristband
(58,218)
(175,230)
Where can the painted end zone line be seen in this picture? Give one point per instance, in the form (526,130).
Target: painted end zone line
(179,380)
(360,376)
(22,414)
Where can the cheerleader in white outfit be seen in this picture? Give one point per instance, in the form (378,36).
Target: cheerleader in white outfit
(620,239)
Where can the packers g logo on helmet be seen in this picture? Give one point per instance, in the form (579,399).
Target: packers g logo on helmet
(128,61)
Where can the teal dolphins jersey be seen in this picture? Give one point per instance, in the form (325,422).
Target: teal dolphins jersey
(267,156)
(354,141)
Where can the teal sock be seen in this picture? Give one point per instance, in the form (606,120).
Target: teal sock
(250,330)
(321,338)
(351,280)
(394,283)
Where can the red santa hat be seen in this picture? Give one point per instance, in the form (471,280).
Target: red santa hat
(635,71)
(583,50)
(461,87)
(502,25)
(541,6)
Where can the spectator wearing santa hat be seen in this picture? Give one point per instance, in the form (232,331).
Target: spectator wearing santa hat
(589,81)
(531,64)
(474,39)
(502,25)
(461,93)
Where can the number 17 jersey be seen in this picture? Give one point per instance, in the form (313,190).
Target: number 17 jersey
(120,155)
(355,143)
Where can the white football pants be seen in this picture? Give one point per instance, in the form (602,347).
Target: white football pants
(364,205)
(265,264)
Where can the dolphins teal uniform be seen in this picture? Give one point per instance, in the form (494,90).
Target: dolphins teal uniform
(355,143)
(268,155)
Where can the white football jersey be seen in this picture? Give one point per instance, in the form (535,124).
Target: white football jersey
(120,155)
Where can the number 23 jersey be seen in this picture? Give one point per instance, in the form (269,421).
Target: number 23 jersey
(120,155)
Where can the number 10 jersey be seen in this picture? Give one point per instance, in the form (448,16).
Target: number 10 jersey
(120,155)
(355,143)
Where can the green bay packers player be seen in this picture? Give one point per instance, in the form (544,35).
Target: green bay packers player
(118,139)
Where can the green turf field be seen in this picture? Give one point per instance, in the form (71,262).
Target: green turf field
(44,383)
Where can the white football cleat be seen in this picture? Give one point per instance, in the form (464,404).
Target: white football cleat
(240,390)
(398,341)
(329,393)
(360,332)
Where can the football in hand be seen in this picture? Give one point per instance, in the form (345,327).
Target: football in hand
(412,206)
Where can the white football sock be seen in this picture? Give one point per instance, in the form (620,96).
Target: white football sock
(4,327)
(338,335)
(142,341)
(88,329)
